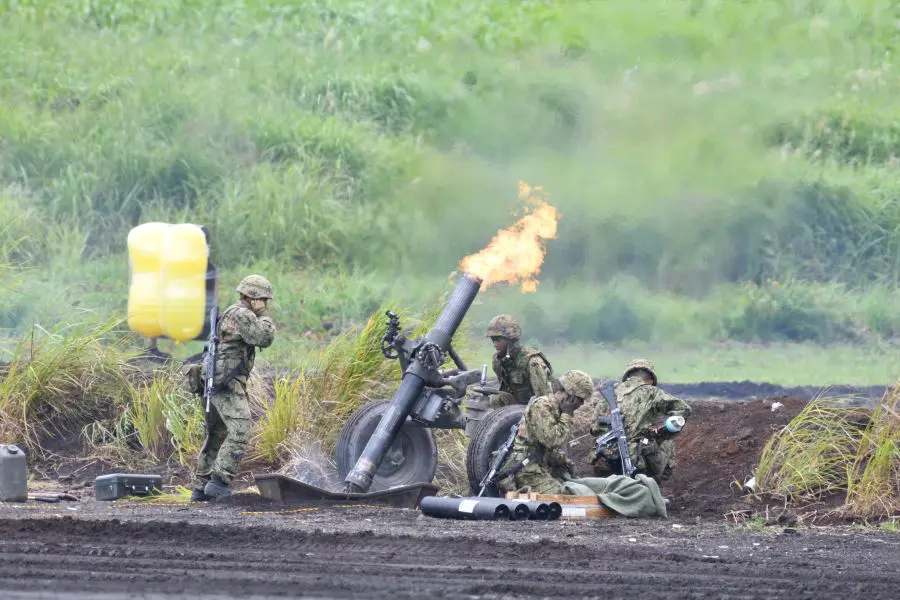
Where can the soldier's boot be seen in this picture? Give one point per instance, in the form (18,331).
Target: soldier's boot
(199,496)
(216,488)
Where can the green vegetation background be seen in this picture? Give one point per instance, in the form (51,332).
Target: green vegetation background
(726,171)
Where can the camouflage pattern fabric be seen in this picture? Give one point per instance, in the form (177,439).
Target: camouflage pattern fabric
(255,286)
(523,372)
(640,363)
(228,432)
(504,326)
(644,407)
(229,426)
(544,428)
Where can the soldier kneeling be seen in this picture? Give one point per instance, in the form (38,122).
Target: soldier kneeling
(535,462)
(651,417)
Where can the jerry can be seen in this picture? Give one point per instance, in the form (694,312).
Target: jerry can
(144,293)
(13,474)
(183,261)
(167,293)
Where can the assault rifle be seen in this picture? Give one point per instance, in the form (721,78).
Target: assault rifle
(617,431)
(499,459)
(209,358)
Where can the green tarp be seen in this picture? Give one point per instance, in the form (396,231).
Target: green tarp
(637,497)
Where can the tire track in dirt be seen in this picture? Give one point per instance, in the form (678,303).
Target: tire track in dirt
(66,557)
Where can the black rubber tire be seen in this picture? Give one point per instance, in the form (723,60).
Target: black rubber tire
(487,438)
(414,447)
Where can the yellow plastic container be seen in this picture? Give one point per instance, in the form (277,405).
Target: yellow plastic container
(167,289)
(144,298)
(183,266)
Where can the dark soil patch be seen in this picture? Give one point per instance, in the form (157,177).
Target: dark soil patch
(248,501)
(721,449)
(72,558)
(750,390)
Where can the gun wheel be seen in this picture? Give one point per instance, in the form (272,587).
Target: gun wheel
(487,438)
(412,458)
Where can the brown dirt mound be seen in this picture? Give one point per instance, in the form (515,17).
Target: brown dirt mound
(719,447)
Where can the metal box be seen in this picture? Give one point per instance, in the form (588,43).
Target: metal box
(122,485)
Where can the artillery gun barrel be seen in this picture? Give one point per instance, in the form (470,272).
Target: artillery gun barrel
(421,371)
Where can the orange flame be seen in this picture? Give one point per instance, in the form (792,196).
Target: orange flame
(517,253)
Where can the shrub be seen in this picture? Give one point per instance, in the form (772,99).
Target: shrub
(784,311)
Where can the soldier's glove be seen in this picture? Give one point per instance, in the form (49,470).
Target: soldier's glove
(259,308)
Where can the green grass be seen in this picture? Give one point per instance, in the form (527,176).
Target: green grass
(59,379)
(812,457)
(754,524)
(781,364)
(877,492)
(374,144)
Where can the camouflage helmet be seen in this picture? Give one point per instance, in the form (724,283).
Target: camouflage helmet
(577,383)
(640,363)
(255,286)
(504,326)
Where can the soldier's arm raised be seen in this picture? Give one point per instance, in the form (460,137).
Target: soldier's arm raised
(539,376)
(256,331)
(548,426)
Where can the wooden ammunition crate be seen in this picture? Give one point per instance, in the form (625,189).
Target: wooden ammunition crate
(573,507)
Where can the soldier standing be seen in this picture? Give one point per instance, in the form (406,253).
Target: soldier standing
(535,462)
(650,416)
(242,327)
(523,371)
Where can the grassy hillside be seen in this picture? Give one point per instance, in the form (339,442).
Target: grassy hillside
(725,171)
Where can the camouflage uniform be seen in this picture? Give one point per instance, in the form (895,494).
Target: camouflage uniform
(644,407)
(523,372)
(535,461)
(229,426)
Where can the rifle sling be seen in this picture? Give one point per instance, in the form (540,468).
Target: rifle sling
(228,377)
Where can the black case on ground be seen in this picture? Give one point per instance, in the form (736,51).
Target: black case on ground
(121,485)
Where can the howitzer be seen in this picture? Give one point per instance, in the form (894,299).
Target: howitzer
(499,459)
(209,357)
(427,396)
(617,430)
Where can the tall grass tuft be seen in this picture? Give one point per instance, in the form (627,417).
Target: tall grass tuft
(876,494)
(59,379)
(145,413)
(829,449)
(165,419)
(451,476)
(156,421)
(813,455)
(281,418)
